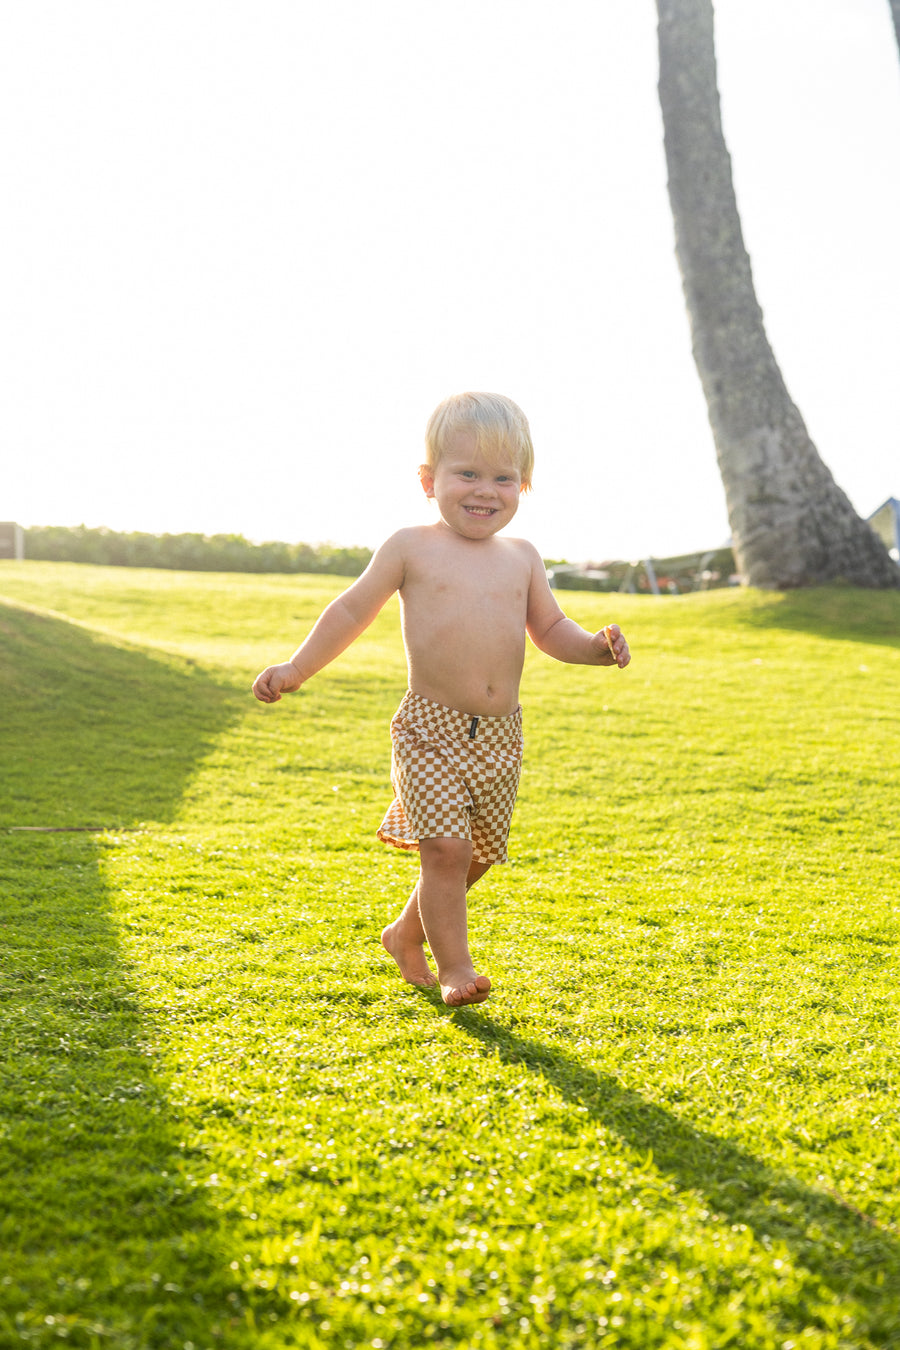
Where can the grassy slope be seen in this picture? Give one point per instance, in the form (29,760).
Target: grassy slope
(225,1122)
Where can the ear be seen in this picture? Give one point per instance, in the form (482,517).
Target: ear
(426,478)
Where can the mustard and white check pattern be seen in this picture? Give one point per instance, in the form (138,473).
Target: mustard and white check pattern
(454,776)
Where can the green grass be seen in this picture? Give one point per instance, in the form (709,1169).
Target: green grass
(224,1121)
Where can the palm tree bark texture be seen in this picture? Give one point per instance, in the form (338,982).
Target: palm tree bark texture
(791,524)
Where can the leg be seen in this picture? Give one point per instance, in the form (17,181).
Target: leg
(404,940)
(476,872)
(446,870)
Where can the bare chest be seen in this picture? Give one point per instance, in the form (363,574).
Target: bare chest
(490,585)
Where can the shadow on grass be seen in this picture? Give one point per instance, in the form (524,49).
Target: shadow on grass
(106,1240)
(846,612)
(841,1247)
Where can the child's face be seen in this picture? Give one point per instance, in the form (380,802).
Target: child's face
(475,498)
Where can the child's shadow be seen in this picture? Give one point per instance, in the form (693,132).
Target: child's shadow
(839,1244)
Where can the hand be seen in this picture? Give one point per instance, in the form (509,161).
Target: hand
(275,681)
(617,653)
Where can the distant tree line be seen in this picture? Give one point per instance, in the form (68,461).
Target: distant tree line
(189,552)
(234,553)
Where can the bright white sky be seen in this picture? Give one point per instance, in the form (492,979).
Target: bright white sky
(248,247)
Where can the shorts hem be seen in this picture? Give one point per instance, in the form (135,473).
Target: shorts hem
(412,846)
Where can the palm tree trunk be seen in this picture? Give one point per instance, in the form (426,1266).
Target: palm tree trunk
(895,14)
(791,524)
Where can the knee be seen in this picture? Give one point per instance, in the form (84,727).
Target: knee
(449,856)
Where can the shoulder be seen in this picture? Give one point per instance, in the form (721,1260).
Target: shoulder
(419,540)
(524,549)
(414,541)
(387,566)
(418,535)
(399,544)
(403,552)
(410,536)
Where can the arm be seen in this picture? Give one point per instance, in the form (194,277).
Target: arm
(563,639)
(339,624)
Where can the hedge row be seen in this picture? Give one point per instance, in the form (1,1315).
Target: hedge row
(189,552)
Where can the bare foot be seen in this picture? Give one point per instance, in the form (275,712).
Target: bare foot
(410,956)
(459,991)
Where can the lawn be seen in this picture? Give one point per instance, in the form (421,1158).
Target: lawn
(225,1121)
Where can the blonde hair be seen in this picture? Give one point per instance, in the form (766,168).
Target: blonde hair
(499,426)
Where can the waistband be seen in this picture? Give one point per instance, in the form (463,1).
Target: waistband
(461,725)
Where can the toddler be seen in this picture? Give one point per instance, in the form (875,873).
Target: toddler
(468,596)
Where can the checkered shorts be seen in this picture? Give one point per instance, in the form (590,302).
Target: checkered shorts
(454,777)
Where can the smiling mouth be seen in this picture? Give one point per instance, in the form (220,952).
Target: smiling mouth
(481,510)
